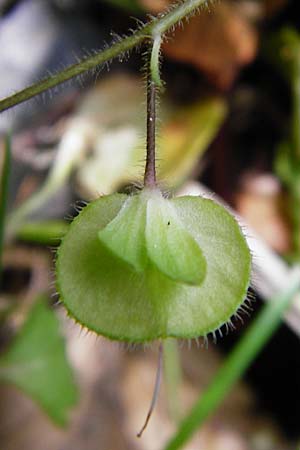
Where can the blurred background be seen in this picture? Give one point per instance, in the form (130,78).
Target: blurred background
(229,124)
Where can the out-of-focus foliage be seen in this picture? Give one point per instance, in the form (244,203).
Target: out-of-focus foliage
(217,44)
(36,363)
(129,5)
(284,52)
(4,175)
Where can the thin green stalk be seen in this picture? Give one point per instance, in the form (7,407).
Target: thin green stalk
(3,193)
(154,61)
(150,167)
(48,232)
(236,364)
(177,12)
(153,84)
(65,162)
(172,375)
(155,27)
(19,217)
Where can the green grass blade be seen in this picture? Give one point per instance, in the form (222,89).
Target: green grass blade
(173,376)
(47,232)
(236,364)
(4,177)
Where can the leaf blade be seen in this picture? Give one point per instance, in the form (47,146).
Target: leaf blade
(36,363)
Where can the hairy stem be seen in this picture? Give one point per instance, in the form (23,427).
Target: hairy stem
(154,61)
(150,171)
(155,27)
(153,83)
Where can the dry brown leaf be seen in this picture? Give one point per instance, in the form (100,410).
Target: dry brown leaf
(272,7)
(154,6)
(259,203)
(218,42)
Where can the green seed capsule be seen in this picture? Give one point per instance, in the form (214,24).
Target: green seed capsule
(137,268)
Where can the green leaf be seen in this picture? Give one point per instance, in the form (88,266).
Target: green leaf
(170,247)
(36,363)
(283,167)
(107,295)
(4,178)
(282,50)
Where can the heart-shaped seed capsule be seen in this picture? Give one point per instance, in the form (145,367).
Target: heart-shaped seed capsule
(138,268)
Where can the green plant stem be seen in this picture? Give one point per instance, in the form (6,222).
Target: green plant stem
(155,27)
(17,218)
(154,61)
(150,167)
(235,365)
(153,84)
(48,232)
(172,375)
